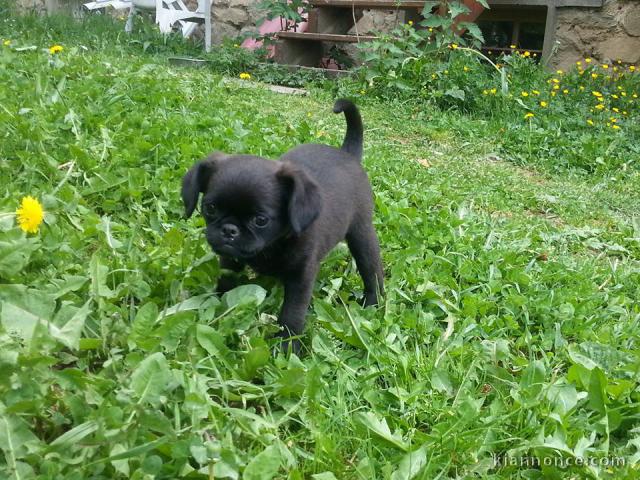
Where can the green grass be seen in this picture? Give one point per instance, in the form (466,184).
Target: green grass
(510,325)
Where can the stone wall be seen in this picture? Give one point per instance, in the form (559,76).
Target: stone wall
(73,7)
(608,34)
(230,17)
(233,17)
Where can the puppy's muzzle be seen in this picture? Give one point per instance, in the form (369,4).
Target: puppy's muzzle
(230,231)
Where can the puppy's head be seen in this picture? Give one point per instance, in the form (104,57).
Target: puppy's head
(249,203)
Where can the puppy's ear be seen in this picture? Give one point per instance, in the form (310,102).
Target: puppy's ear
(196,180)
(305,201)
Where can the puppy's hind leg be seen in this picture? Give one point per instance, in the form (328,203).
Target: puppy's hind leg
(363,244)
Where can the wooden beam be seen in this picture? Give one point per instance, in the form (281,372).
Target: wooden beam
(549,33)
(390,4)
(544,3)
(419,4)
(325,37)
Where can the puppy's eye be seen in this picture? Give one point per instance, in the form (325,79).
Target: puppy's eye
(261,221)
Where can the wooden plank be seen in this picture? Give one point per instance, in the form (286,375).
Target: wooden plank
(390,4)
(383,4)
(580,3)
(544,3)
(325,37)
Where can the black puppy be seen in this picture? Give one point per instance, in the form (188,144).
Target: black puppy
(282,217)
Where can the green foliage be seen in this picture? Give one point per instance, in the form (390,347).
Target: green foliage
(569,127)
(290,12)
(397,60)
(509,328)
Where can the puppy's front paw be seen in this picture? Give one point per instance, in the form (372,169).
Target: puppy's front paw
(226,283)
(370,299)
(287,344)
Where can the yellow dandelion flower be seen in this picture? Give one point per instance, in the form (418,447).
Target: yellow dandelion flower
(485,92)
(526,54)
(454,46)
(6,43)
(624,94)
(446,72)
(529,115)
(615,127)
(544,104)
(616,109)
(556,87)
(410,23)
(493,91)
(578,62)
(600,106)
(559,72)
(605,66)
(635,95)
(553,93)
(619,87)
(430,29)
(618,61)
(632,68)
(614,96)
(565,91)
(433,75)
(624,112)
(535,92)
(245,76)
(594,75)
(465,68)
(524,94)
(555,80)
(596,94)
(615,69)
(581,87)
(512,46)
(30,214)
(613,119)
(590,122)
(587,60)
(362,92)
(55,49)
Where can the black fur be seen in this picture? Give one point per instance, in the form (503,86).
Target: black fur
(281,218)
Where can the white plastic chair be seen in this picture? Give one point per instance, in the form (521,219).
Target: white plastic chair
(168,13)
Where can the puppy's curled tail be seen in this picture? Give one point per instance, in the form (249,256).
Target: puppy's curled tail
(353,139)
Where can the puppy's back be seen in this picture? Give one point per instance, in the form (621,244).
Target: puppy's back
(327,165)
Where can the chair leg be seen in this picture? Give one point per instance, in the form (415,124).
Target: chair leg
(128,27)
(207,29)
(207,25)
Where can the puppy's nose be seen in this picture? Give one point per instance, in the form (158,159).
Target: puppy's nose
(230,231)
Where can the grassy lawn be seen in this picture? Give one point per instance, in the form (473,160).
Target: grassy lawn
(509,330)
